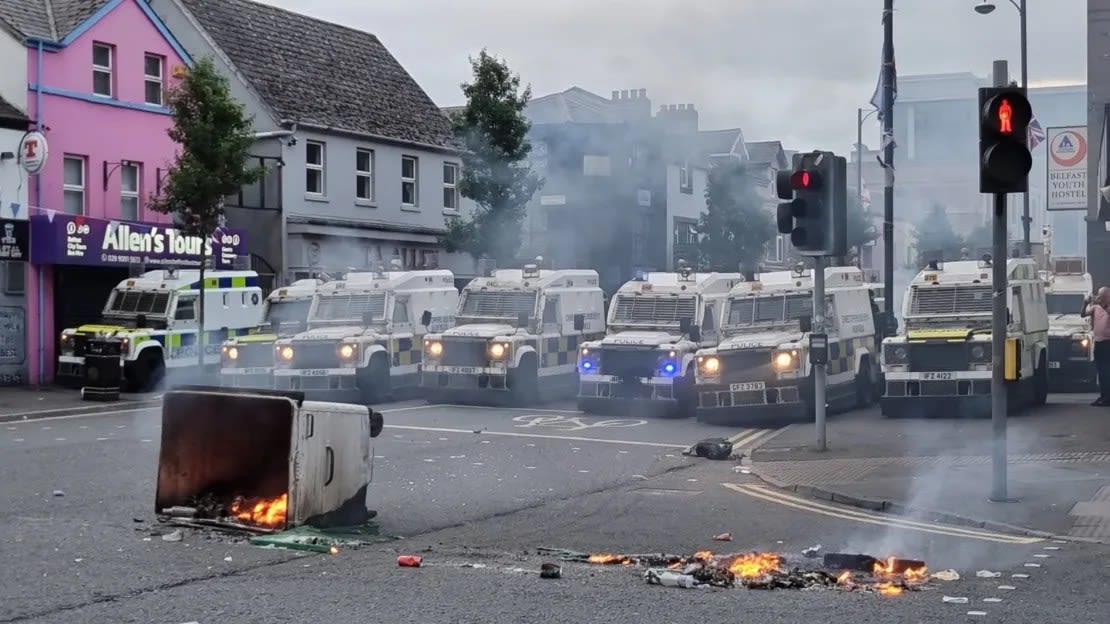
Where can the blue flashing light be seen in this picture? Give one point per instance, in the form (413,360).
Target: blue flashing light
(586,365)
(670,369)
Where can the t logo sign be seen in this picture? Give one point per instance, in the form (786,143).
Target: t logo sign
(29,148)
(33,152)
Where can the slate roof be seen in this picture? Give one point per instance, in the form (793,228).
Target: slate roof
(322,74)
(12,117)
(765,152)
(51,20)
(575,105)
(721,141)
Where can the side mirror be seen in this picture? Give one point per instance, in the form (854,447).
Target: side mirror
(805,323)
(522,319)
(426,318)
(694,333)
(140,321)
(684,325)
(367,319)
(579,322)
(377,423)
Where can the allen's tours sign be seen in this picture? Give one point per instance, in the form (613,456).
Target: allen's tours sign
(70,239)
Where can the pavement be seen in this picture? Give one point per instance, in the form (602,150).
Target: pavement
(27,403)
(1057,481)
(476,491)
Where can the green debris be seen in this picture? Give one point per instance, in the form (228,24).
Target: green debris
(313,539)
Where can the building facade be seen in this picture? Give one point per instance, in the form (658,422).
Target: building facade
(362,167)
(97,73)
(14,228)
(1098,121)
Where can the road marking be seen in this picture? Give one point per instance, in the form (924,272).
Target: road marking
(805,504)
(517,434)
(503,409)
(573,423)
(92,411)
(748,437)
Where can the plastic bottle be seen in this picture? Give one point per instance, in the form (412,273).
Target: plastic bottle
(670,578)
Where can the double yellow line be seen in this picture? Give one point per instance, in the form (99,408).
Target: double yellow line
(779,497)
(748,437)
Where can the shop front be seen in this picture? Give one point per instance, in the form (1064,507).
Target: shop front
(76,261)
(15,242)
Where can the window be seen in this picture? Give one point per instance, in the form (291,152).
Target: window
(186,309)
(73,185)
(593,165)
(450,186)
(364,175)
(709,321)
(15,278)
(129,192)
(401,311)
(551,311)
(410,170)
(314,168)
(153,67)
(684,181)
(102,69)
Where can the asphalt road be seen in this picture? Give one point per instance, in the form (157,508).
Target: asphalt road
(528,478)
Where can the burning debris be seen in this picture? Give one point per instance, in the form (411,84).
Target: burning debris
(257,514)
(767,570)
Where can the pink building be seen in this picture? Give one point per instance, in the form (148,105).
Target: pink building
(97,72)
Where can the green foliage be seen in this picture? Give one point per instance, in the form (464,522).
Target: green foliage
(493,130)
(735,227)
(935,235)
(215,138)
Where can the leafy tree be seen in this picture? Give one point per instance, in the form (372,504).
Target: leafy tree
(735,227)
(214,137)
(935,235)
(493,130)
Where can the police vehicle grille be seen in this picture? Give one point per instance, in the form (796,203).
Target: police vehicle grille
(654,309)
(80,345)
(255,355)
(747,365)
(629,362)
(350,306)
(498,304)
(938,357)
(1060,349)
(316,355)
(929,300)
(465,352)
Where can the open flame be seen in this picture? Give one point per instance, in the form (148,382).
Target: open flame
(845,578)
(755,564)
(890,568)
(609,559)
(889,589)
(265,513)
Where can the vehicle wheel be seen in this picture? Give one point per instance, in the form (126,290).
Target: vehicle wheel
(147,372)
(865,385)
(1040,382)
(524,381)
(373,381)
(685,394)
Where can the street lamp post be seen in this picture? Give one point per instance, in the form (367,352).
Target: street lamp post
(983,8)
(860,118)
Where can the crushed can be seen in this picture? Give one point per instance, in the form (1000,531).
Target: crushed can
(410,561)
(551,571)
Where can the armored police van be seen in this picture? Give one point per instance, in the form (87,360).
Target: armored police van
(248,361)
(1071,345)
(155,315)
(363,341)
(646,360)
(762,368)
(516,338)
(940,364)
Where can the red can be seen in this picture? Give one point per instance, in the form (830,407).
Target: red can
(409,561)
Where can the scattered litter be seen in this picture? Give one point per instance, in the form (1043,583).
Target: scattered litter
(1040,556)
(477,431)
(723,537)
(640,477)
(180,512)
(173,536)
(1059,541)
(1052,548)
(1006,587)
(227,558)
(410,561)
(78,560)
(976,612)
(146,539)
(1019,576)
(713,448)
(947,575)
(669,578)
(956,599)
(992,600)
(476,566)
(137,520)
(551,571)
(988,574)
(811,552)
(1032,565)
(59,493)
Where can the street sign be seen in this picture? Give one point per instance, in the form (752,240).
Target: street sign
(33,150)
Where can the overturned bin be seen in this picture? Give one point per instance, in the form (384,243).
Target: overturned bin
(264,460)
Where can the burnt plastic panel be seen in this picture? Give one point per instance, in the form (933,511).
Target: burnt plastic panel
(224,444)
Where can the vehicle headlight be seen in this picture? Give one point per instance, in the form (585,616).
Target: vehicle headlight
(232,353)
(784,360)
(710,365)
(896,354)
(980,353)
(347,351)
(498,350)
(285,352)
(1081,345)
(433,348)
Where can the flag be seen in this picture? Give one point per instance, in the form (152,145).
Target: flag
(877,96)
(864,195)
(1036,134)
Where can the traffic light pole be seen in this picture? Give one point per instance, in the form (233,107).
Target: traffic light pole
(819,370)
(887,119)
(998,332)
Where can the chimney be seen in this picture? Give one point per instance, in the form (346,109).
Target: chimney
(632,106)
(616,95)
(678,118)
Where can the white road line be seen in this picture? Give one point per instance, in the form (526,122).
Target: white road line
(805,504)
(515,409)
(92,411)
(514,434)
(83,415)
(746,437)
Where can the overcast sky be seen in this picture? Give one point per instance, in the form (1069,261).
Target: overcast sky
(792,70)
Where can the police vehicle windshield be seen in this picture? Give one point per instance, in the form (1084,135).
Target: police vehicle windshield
(769,310)
(131,303)
(653,310)
(348,308)
(503,305)
(1065,304)
(287,311)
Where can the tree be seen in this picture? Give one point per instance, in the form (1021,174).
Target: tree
(935,236)
(493,130)
(735,227)
(214,136)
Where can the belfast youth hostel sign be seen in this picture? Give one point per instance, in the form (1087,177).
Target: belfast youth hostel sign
(1067,168)
(85,241)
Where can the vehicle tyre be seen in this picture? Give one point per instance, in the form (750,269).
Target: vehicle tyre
(685,394)
(148,371)
(373,381)
(865,385)
(524,381)
(1040,382)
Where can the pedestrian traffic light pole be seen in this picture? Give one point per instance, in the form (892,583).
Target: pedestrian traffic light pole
(887,118)
(1004,164)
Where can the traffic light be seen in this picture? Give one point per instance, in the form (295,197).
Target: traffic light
(814,215)
(1004,158)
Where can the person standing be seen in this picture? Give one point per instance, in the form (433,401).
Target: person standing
(1100,320)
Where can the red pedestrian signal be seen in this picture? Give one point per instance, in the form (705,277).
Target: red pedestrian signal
(1005,117)
(1004,156)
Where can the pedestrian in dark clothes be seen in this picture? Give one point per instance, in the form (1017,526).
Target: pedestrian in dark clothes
(1100,320)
